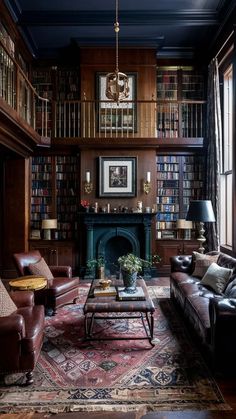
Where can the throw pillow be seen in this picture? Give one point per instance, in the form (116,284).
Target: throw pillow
(216,278)
(41,268)
(202,263)
(7,305)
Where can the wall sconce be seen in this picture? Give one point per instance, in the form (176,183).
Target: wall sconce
(88,186)
(47,226)
(147,184)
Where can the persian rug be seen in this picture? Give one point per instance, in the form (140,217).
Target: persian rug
(118,375)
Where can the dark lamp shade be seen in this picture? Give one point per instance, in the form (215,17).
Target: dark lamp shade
(200,211)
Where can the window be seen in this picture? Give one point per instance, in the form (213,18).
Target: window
(226,228)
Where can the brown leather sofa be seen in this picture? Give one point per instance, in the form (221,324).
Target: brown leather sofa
(21,336)
(211,316)
(61,289)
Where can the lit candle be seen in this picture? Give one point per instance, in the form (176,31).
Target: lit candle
(148,177)
(88,176)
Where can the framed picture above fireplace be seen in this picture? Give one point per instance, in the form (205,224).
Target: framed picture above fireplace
(117,176)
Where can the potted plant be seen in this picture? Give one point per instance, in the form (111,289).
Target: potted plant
(130,265)
(98,264)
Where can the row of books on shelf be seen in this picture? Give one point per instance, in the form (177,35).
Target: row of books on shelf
(41,176)
(41,168)
(41,192)
(66,214)
(39,200)
(167,159)
(167,192)
(167,200)
(168,183)
(192,175)
(192,184)
(40,184)
(170,167)
(66,159)
(66,168)
(193,193)
(168,216)
(168,208)
(40,208)
(166,234)
(167,175)
(66,200)
(163,225)
(65,191)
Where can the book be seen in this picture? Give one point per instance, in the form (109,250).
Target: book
(138,295)
(100,292)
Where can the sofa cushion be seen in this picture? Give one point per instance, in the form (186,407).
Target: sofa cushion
(7,305)
(216,278)
(202,263)
(41,268)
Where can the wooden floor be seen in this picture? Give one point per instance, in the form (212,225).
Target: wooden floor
(226,385)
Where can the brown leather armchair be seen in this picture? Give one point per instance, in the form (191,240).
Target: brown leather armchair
(21,336)
(61,289)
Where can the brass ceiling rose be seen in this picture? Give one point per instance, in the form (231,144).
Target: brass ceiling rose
(117,87)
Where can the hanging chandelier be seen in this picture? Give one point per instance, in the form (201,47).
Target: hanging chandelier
(117,87)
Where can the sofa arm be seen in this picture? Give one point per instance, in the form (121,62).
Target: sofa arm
(181,263)
(61,271)
(13,325)
(22,298)
(223,330)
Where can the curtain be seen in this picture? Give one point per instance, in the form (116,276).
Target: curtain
(214,144)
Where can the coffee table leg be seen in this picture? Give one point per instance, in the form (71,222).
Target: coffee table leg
(88,325)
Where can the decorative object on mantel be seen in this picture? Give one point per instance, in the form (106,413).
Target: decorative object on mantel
(88,186)
(84,205)
(147,184)
(201,211)
(117,87)
(47,226)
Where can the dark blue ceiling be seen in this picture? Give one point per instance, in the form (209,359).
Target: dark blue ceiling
(173,27)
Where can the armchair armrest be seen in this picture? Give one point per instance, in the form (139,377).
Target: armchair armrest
(13,325)
(60,271)
(22,298)
(181,263)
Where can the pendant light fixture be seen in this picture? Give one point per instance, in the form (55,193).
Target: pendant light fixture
(117,88)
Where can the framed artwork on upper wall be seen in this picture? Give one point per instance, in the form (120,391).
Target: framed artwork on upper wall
(117,176)
(113,116)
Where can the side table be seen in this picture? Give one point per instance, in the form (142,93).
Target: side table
(29,282)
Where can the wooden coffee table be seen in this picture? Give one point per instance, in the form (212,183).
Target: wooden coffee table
(96,307)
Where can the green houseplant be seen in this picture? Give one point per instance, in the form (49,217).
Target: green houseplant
(130,265)
(98,264)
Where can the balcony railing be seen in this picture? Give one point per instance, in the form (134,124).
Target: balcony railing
(17,91)
(140,119)
(90,119)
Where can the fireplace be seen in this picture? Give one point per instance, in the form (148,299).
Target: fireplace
(111,235)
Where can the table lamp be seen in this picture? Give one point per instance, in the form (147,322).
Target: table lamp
(201,211)
(186,226)
(47,226)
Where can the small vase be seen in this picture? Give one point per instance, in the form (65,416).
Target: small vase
(130,280)
(101,272)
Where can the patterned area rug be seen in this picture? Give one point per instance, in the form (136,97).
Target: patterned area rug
(74,375)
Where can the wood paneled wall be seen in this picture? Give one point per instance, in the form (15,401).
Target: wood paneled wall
(140,61)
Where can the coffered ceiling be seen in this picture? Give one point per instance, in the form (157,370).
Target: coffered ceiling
(176,28)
